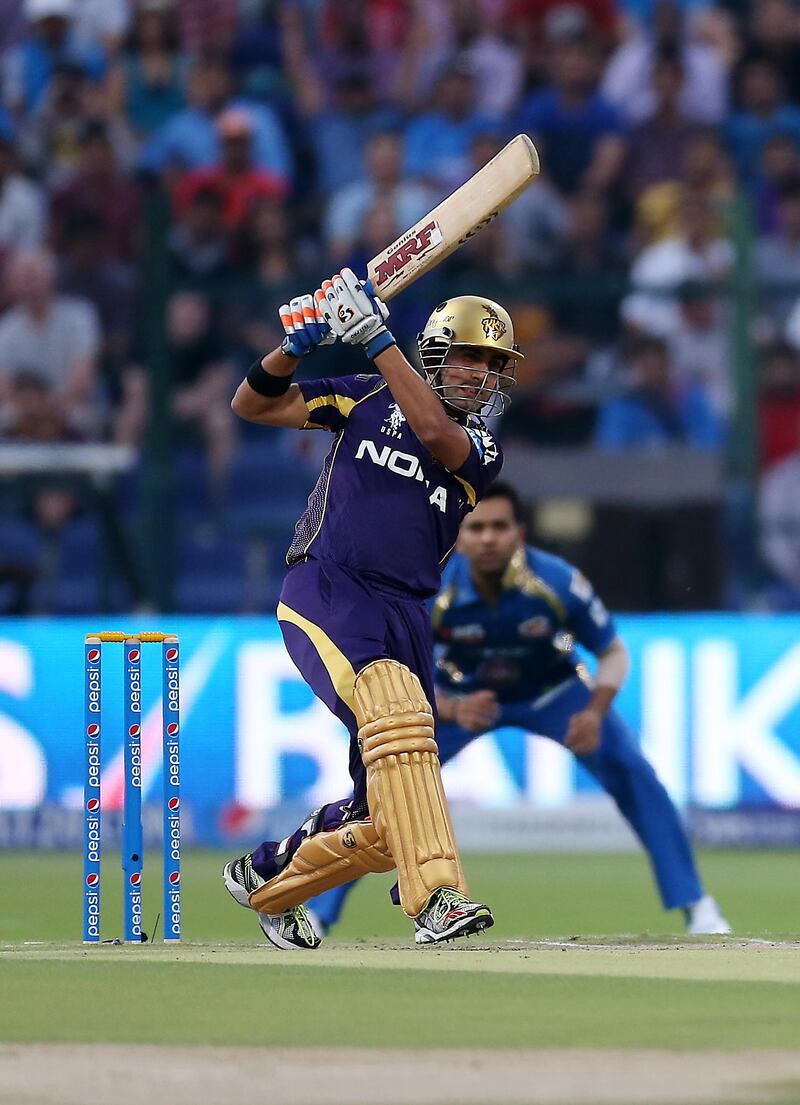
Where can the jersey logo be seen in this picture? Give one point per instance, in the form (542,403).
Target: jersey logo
(393,422)
(402,464)
(484,443)
(535,627)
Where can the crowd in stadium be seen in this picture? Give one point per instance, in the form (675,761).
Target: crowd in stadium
(251,148)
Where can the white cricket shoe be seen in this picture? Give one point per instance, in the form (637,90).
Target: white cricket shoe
(449,914)
(289,930)
(704,918)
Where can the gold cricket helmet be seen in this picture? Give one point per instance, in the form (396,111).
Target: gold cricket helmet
(470,320)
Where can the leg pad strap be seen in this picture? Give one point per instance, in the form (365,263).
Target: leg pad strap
(324,860)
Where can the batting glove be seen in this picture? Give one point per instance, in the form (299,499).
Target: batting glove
(353,313)
(305,327)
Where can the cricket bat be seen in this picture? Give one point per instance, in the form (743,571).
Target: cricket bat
(456,219)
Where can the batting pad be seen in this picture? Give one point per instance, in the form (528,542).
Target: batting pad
(404,783)
(322,861)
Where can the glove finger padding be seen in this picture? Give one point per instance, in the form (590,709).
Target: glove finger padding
(367,303)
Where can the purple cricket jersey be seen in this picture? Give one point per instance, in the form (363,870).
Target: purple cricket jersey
(382,506)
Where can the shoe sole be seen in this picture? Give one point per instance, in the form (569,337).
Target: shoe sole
(469,927)
(234,888)
(278,941)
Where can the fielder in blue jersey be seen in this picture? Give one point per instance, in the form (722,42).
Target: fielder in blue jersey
(505,621)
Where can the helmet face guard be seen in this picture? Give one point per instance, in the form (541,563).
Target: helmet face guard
(470,320)
(491,394)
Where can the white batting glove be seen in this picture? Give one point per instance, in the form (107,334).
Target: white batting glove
(353,313)
(305,327)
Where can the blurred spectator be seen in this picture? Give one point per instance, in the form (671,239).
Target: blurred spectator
(700,347)
(105,21)
(54,337)
(383,177)
(237,178)
(51,139)
(476,33)
(256,52)
(530,17)
(33,412)
(21,204)
(704,172)
(697,253)
(778,403)
(778,169)
(438,142)
(578,131)
(202,382)
(100,186)
(534,226)
(12,24)
(764,113)
(190,139)
(363,40)
(148,81)
(339,119)
(197,240)
(657,413)
(777,260)
(494,59)
(590,272)
(207,26)
(87,273)
(656,144)
(50,43)
(779,527)
(772,32)
(628,82)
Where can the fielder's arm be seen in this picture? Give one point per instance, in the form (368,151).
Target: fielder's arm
(584,729)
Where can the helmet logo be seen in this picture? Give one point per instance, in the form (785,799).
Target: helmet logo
(493,325)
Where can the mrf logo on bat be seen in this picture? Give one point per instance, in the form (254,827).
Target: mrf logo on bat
(408,250)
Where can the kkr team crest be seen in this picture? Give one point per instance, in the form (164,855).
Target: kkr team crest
(493,325)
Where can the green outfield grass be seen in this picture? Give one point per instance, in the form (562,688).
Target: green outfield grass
(531,895)
(507,989)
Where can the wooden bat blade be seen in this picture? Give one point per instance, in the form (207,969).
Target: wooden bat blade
(456,219)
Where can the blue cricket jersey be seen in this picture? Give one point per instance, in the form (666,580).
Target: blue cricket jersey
(523,644)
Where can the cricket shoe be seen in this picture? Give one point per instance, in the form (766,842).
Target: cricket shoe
(450,914)
(288,930)
(704,918)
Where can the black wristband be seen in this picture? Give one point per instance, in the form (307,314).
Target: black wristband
(265,383)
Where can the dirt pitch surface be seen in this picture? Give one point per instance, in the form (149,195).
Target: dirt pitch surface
(61,1074)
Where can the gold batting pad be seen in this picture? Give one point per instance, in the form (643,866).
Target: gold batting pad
(322,861)
(404,784)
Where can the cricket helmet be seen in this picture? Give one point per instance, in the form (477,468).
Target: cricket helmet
(474,321)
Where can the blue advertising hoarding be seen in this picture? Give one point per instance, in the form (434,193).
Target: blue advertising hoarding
(716,699)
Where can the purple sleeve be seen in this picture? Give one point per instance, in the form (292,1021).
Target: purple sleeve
(330,401)
(483,464)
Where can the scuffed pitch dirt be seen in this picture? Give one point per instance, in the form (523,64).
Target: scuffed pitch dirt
(69,1074)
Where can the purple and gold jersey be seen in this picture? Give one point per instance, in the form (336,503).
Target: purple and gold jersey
(382,505)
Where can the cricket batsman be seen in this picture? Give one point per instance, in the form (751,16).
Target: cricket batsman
(505,622)
(410,458)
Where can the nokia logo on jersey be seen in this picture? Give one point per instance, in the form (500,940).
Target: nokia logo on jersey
(402,464)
